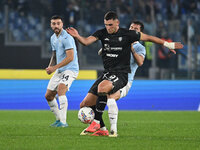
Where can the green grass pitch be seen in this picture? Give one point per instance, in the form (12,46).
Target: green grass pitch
(138,130)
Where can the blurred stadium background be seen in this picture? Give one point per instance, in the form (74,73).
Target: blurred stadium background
(24,44)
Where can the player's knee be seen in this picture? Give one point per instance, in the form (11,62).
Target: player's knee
(62,89)
(104,88)
(49,97)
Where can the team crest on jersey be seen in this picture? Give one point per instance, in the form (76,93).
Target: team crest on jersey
(120,39)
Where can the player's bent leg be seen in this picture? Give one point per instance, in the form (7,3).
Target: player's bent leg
(98,121)
(103,88)
(89,101)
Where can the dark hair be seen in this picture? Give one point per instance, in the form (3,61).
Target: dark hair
(110,15)
(57,17)
(139,23)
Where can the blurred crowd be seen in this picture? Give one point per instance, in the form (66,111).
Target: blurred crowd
(158,16)
(167,19)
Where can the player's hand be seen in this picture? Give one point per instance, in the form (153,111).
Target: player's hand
(50,69)
(178,45)
(173,45)
(72,31)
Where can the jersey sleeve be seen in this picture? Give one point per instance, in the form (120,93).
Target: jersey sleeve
(68,42)
(52,46)
(134,36)
(140,50)
(98,34)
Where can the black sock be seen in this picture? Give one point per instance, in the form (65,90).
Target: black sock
(93,108)
(101,122)
(100,106)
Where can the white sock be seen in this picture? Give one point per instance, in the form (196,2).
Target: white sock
(54,108)
(97,121)
(103,129)
(113,114)
(63,108)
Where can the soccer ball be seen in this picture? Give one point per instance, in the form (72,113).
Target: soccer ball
(86,115)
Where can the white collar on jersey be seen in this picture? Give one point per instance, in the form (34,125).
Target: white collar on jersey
(135,42)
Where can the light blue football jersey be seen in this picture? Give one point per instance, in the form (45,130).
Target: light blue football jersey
(62,43)
(139,49)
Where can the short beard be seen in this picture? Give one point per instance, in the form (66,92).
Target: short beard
(57,33)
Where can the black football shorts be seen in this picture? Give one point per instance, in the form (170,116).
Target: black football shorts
(118,79)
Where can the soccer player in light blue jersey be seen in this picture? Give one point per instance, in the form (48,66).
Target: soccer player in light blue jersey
(64,62)
(137,59)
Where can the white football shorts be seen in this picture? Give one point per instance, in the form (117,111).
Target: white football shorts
(66,77)
(124,90)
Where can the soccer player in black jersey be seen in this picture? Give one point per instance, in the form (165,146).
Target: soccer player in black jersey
(116,44)
(137,59)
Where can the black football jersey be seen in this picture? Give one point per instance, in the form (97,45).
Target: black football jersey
(116,48)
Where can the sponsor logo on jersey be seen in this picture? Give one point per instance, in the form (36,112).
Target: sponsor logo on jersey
(116,48)
(112,55)
(120,39)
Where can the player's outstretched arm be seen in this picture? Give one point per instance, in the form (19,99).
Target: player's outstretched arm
(170,45)
(83,40)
